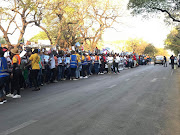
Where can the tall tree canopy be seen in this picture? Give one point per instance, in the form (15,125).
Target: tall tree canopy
(170,7)
(150,50)
(173,41)
(64,21)
(136,45)
(16,15)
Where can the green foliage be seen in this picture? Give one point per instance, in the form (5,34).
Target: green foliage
(40,36)
(173,41)
(2,40)
(170,7)
(150,50)
(136,45)
(161,51)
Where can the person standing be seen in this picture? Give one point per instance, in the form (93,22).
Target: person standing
(172,61)
(56,66)
(73,65)
(165,61)
(84,66)
(135,60)
(16,73)
(96,63)
(60,66)
(35,59)
(116,63)
(102,65)
(89,61)
(52,67)
(4,75)
(68,68)
(79,65)
(110,63)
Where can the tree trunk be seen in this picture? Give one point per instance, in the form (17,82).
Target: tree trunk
(58,37)
(47,33)
(5,36)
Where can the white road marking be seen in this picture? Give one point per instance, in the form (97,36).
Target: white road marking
(14,129)
(136,75)
(112,86)
(172,72)
(153,80)
(127,79)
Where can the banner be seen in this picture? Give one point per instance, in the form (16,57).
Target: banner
(77,44)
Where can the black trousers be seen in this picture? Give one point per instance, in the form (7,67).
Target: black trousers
(34,73)
(115,66)
(102,67)
(53,72)
(15,82)
(84,70)
(73,72)
(22,81)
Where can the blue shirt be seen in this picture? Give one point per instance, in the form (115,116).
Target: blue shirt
(3,67)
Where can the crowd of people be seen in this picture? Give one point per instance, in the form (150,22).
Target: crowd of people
(39,67)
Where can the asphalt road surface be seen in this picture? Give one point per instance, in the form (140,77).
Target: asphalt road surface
(139,101)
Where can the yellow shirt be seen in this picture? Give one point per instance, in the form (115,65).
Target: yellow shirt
(83,58)
(14,60)
(78,58)
(35,61)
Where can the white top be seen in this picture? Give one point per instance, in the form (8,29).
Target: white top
(6,54)
(117,60)
(52,63)
(110,59)
(59,60)
(9,60)
(93,58)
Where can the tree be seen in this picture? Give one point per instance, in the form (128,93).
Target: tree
(17,14)
(173,41)
(100,16)
(40,36)
(150,50)
(59,21)
(136,45)
(2,40)
(162,52)
(70,21)
(171,8)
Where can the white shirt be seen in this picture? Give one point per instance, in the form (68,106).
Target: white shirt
(52,63)
(6,54)
(117,60)
(110,59)
(93,58)
(59,60)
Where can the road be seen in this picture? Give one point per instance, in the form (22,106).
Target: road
(138,101)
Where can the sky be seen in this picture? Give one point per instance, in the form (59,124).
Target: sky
(153,30)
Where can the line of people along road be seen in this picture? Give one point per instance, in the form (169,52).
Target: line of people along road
(39,67)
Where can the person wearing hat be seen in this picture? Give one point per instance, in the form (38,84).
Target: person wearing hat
(16,73)
(4,75)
